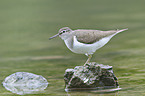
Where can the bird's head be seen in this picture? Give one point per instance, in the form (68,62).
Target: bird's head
(63,33)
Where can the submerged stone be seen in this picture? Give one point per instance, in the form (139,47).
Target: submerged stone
(25,83)
(90,76)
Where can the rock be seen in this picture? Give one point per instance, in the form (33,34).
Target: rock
(25,83)
(90,76)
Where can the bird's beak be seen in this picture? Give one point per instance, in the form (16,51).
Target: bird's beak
(54,36)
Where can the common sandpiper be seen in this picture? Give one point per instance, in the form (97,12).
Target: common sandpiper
(84,41)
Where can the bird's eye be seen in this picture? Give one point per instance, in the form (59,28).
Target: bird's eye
(63,31)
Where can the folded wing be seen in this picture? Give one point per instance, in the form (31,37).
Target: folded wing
(91,36)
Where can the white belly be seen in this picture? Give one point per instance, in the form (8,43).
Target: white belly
(82,48)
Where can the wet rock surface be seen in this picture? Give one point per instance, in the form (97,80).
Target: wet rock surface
(90,76)
(25,83)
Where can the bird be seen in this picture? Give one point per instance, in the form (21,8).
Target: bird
(85,41)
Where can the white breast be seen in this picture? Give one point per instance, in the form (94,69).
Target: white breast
(82,48)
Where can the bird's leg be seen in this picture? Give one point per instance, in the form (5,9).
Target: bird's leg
(88,60)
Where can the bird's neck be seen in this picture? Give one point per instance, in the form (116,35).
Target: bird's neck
(66,36)
(68,39)
(69,42)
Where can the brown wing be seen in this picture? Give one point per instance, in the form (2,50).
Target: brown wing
(91,36)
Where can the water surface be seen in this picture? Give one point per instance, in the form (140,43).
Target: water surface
(26,25)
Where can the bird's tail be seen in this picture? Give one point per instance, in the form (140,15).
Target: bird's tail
(118,31)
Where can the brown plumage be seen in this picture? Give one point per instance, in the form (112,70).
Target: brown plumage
(91,36)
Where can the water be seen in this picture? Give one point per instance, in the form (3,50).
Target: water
(26,25)
(130,84)
(97,90)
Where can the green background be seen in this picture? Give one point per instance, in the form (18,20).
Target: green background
(26,25)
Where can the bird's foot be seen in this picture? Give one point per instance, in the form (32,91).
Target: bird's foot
(86,63)
(88,60)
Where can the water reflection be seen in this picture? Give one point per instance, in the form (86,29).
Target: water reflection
(116,93)
(103,92)
(97,90)
(25,83)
